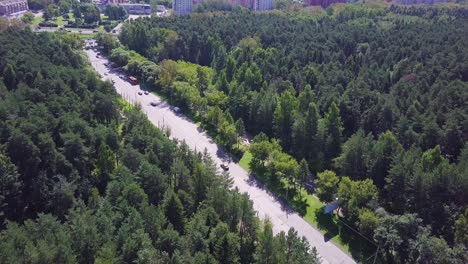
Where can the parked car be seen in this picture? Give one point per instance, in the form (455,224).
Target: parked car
(224,167)
(176,109)
(153,103)
(133,80)
(146,92)
(140,93)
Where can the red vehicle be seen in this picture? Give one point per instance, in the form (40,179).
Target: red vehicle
(133,80)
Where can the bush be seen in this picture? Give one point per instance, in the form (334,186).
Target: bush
(48,24)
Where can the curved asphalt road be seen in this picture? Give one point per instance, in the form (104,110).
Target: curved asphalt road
(183,129)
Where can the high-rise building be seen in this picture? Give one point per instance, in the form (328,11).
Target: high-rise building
(323,3)
(9,7)
(244,3)
(182,7)
(262,5)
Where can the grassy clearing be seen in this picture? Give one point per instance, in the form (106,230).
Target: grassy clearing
(59,21)
(245,160)
(86,36)
(37,20)
(330,225)
(126,106)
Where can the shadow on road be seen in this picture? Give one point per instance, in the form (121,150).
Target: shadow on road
(252,181)
(222,155)
(285,207)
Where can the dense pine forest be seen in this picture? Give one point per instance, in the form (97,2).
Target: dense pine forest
(367,105)
(85,178)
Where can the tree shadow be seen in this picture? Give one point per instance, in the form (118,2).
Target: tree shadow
(252,181)
(326,222)
(300,206)
(360,248)
(222,155)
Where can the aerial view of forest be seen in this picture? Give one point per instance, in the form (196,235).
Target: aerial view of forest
(360,107)
(367,105)
(92,181)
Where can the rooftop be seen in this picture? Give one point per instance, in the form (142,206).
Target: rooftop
(8,2)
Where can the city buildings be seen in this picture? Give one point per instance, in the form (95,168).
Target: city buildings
(137,9)
(109,2)
(131,8)
(323,3)
(10,7)
(243,3)
(182,7)
(117,1)
(262,5)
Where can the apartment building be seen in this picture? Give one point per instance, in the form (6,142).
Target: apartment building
(182,7)
(9,7)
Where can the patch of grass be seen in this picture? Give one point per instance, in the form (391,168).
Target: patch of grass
(126,106)
(245,160)
(37,20)
(86,36)
(59,21)
(336,230)
(330,225)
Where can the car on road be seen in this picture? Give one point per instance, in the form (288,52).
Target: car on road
(153,103)
(133,80)
(140,93)
(224,167)
(105,73)
(146,92)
